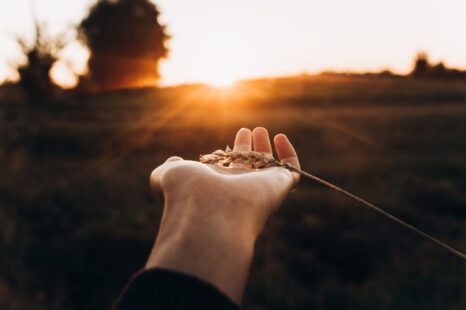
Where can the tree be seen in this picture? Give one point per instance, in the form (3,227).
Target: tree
(421,65)
(41,55)
(439,70)
(126,43)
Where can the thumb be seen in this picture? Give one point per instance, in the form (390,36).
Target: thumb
(155,176)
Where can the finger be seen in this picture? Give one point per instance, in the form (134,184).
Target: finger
(155,183)
(243,140)
(286,152)
(261,140)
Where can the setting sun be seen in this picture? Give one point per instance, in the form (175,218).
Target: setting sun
(221,42)
(223,59)
(223,79)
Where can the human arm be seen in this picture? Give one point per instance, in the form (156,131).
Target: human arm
(212,218)
(213,215)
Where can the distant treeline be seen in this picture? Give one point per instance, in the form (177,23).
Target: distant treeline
(126,43)
(423,68)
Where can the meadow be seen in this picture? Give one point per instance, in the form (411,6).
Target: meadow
(77,217)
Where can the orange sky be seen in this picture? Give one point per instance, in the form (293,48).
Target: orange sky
(220,41)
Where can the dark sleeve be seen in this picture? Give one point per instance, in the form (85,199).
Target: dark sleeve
(162,289)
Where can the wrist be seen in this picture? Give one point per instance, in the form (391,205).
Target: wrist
(207,245)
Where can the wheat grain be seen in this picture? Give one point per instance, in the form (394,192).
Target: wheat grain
(257,160)
(254,160)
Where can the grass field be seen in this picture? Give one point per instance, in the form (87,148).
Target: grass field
(77,217)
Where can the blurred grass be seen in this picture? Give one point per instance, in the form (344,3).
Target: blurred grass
(77,217)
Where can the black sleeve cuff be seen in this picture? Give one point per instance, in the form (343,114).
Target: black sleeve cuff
(164,289)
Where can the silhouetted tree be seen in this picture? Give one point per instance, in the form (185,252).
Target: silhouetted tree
(40,56)
(126,43)
(386,73)
(422,68)
(439,70)
(421,65)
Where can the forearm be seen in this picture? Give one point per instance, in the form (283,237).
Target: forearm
(209,248)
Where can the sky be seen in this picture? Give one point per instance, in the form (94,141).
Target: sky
(221,41)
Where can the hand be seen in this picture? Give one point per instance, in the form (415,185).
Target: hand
(213,215)
(243,197)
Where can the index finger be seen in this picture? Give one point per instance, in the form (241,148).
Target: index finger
(243,140)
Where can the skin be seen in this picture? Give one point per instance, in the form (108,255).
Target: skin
(213,215)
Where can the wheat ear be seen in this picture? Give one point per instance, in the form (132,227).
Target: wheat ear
(258,160)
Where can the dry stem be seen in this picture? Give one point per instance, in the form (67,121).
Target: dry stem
(258,160)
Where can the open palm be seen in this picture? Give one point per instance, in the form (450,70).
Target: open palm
(254,194)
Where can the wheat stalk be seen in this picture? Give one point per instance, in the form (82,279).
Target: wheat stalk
(257,160)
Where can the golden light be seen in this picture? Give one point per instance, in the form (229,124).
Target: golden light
(223,72)
(224,59)
(63,76)
(223,80)
(72,62)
